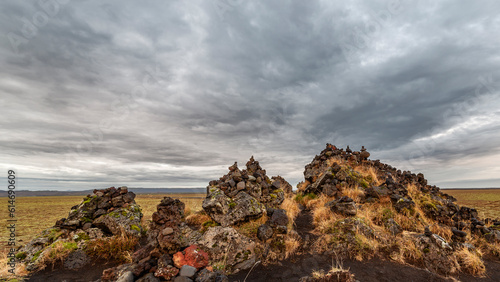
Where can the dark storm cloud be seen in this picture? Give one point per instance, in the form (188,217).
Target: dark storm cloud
(171,93)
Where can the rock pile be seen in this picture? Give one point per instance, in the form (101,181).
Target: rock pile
(112,210)
(242,195)
(324,175)
(104,213)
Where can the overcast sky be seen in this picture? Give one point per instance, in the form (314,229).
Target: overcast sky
(171,93)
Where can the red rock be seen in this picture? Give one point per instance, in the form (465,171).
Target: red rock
(195,257)
(179,260)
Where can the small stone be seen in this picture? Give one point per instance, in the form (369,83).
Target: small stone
(240,185)
(127,276)
(264,232)
(167,231)
(188,271)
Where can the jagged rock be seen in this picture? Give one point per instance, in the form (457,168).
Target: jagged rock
(345,206)
(126,220)
(278,218)
(227,211)
(264,232)
(225,245)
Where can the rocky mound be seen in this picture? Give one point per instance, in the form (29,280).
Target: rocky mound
(241,195)
(365,208)
(106,213)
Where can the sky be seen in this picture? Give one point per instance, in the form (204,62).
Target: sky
(170,93)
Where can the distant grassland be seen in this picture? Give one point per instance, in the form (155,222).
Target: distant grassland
(485,201)
(35,214)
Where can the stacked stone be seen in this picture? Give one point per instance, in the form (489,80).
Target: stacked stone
(111,210)
(242,195)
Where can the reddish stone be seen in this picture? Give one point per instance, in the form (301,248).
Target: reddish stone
(195,257)
(179,259)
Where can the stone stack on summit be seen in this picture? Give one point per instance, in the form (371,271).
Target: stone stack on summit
(241,195)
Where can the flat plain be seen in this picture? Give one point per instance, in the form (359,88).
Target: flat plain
(486,201)
(35,214)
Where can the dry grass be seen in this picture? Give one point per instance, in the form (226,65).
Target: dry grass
(118,248)
(292,210)
(443,231)
(370,174)
(291,246)
(250,228)
(323,217)
(471,262)
(407,251)
(354,192)
(197,218)
(20,270)
(57,252)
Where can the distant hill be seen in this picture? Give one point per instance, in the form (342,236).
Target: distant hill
(26,193)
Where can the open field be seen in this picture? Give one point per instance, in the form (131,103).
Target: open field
(486,201)
(35,214)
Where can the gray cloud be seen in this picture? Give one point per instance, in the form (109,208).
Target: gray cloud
(169,94)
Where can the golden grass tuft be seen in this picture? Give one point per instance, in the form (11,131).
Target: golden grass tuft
(291,246)
(443,231)
(471,262)
(292,209)
(118,248)
(250,228)
(354,192)
(406,251)
(197,218)
(370,173)
(20,270)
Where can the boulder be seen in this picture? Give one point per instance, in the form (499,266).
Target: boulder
(227,211)
(229,248)
(126,220)
(264,232)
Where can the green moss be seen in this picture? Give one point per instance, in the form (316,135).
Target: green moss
(429,205)
(82,236)
(86,200)
(86,219)
(277,191)
(70,245)
(21,255)
(363,183)
(426,250)
(273,196)
(36,256)
(135,227)
(232,204)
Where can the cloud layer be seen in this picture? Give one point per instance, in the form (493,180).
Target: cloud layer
(169,94)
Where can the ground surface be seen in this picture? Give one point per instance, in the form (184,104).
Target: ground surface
(89,273)
(486,201)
